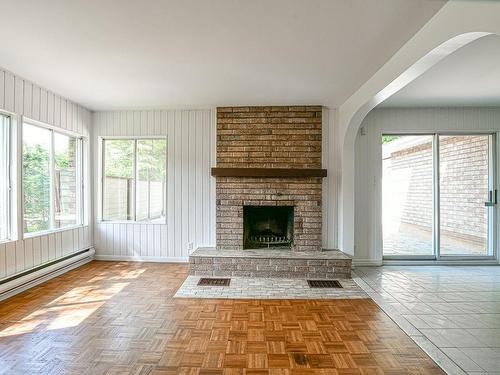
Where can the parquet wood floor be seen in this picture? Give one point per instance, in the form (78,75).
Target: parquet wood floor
(120,318)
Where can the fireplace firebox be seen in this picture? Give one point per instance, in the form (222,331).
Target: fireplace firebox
(267,226)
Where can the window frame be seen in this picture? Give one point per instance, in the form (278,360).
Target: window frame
(101,169)
(80,172)
(9,177)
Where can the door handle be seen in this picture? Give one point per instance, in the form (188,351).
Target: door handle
(491,202)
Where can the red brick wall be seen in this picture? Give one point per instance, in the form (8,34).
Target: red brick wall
(269,137)
(463,189)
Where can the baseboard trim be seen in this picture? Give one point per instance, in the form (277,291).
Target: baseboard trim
(136,258)
(366,262)
(471,262)
(29,280)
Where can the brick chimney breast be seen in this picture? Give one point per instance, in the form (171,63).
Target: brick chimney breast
(287,137)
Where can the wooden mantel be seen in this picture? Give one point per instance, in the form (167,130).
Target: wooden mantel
(268,172)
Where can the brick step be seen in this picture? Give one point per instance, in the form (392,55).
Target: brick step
(265,263)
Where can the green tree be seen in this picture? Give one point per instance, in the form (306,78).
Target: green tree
(36,187)
(119,157)
(152,159)
(389,138)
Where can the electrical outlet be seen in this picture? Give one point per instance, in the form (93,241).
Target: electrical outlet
(190,246)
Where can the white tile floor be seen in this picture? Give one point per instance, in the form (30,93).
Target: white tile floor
(452,312)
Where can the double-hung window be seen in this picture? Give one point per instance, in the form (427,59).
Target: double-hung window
(134,179)
(5,187)
(52,179)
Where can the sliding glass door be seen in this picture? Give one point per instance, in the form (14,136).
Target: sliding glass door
(407,201)
(438,196)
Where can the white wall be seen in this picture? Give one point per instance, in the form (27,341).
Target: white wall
(368,161)
(191,138)
(20,97)
(190,187)
(331,182)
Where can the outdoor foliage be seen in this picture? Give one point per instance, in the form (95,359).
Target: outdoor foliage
(389,138)
(151,157)
(36,186)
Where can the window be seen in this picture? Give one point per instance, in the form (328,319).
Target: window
(4,177)
(52,179)
(134,179)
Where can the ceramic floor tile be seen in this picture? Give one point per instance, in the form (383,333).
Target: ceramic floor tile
(419,308)
(488,337)
(487,358)
(462,360)
(453,310)
(452,338)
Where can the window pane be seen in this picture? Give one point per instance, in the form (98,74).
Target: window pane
(118,192)
(463,189)
(65,181)
(407,203)
(151,184)
(36,178)
(4,177)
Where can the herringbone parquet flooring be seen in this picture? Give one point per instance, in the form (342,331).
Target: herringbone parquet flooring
(120,318)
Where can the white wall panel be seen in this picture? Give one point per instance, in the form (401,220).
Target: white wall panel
(190,187)
(330,182)
(368,174)
(23,98)
(191,142)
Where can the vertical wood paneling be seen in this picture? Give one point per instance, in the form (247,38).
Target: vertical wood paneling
(368,213)
(27,99)
(10,259)
(28,253)
(36,103)
(43,106)
(329,229)
(2,261)
(18,95)
(2,89)
(20,258)
(9,92)
(190,190)
(37,255)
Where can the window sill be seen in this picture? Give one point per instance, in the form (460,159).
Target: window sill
(99,222)
(51,231)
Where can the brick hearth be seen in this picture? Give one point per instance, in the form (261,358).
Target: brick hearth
(331,264)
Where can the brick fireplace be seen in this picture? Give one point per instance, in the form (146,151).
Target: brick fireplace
(268,227)
(268,198)
(284,143)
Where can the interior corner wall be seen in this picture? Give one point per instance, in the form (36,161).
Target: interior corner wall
(190,186)
(368,165)
(331,181)
(21,97)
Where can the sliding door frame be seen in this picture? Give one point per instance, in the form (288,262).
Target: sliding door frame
(492,211)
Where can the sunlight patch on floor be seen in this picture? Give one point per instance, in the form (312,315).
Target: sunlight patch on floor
(66,311)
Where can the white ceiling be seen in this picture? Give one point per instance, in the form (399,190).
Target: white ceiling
(109,54)
(468,77)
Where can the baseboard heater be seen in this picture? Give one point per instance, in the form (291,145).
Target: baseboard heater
(28,279)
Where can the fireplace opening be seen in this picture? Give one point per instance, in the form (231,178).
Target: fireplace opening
(267,226)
